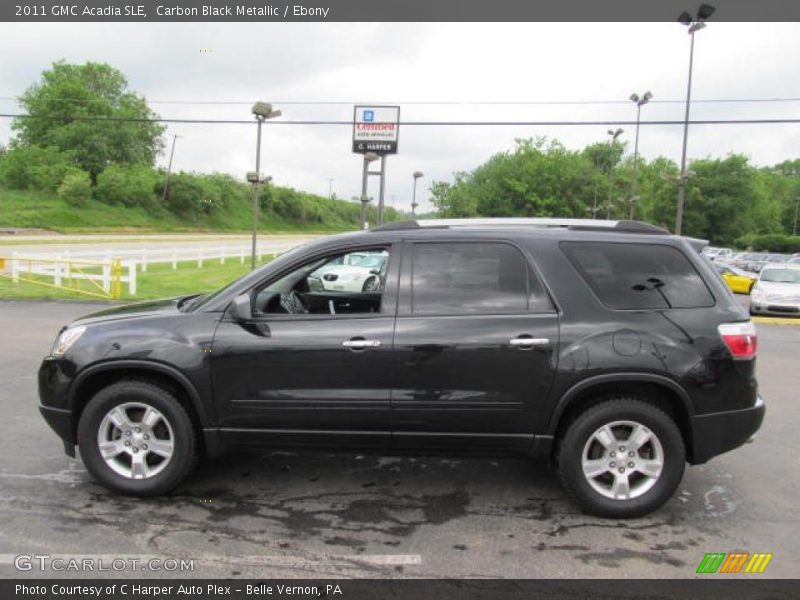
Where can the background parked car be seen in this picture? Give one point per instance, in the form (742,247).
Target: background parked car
(777,291)
(717,254)
(354,272)
(738,280)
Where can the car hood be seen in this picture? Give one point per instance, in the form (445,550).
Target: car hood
(789,291)
(131,311)
(344,270)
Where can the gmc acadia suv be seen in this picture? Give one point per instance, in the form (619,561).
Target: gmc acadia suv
(610,348)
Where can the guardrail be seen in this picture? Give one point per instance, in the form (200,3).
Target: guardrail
(106,274)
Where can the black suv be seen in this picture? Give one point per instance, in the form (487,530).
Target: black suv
(609,347)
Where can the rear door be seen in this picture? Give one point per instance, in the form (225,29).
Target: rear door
(474,346)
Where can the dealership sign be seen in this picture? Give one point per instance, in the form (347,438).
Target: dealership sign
(376,129)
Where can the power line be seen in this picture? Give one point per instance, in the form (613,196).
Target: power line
(409,123)
(437,103)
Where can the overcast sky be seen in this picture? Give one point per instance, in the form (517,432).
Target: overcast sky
(290,63)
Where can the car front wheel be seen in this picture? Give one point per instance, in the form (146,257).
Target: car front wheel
(136,438)
(622,458)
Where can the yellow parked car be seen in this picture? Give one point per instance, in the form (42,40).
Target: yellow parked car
(740,282)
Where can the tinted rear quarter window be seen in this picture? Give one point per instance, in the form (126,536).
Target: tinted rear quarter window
(639,276)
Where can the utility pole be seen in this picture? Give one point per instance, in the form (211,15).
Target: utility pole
(330,188)
(169,168)
(796,210)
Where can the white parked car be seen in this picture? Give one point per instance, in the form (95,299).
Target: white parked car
(354,272)
(777,291)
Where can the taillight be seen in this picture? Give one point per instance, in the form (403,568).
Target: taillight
(740,338)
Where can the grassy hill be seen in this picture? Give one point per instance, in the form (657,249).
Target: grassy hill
(35,209)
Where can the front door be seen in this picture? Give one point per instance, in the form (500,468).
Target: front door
(475,346)
(314,364)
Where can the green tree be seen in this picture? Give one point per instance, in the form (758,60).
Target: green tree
(82,109)
(35,167)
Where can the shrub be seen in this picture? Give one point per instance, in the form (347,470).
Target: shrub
(776,242)
(130,186)
(76,188)
(184,194)
(35,167)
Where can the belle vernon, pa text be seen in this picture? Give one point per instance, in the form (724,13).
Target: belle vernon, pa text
(262,589)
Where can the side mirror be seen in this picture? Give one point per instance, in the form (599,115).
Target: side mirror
(241,308)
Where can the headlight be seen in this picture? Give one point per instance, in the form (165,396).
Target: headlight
(68,337)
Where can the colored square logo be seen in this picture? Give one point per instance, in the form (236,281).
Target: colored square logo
(369,116)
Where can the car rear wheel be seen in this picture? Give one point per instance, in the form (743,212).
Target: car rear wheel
(136,438)
(622,458)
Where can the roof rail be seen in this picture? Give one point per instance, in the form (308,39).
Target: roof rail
(585,224)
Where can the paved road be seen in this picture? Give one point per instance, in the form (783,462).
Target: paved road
(100,244)
(276,514)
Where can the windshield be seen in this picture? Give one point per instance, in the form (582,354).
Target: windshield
(781,275)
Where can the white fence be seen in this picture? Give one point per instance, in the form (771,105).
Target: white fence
(71,265)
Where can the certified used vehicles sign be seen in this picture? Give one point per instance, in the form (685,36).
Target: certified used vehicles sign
(376,129)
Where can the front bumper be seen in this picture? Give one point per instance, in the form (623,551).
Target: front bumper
(776,309)
(60,421)
(717,433)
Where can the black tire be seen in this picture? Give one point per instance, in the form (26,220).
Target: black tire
(371,281)
(185,444)
(571,447)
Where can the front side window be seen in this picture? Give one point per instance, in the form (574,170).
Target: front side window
(639,276)
(341,283)
(471,278)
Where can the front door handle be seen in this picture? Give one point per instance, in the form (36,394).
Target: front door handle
(528,342)
(360,343)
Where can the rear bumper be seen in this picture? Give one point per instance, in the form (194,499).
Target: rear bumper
(717,433)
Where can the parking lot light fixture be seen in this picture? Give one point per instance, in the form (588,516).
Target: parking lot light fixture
(639,101)
(693,25)
(614,134)
(262,111)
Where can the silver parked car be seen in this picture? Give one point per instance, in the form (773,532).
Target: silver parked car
(777,291)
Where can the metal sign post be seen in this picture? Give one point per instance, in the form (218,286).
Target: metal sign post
(376,131)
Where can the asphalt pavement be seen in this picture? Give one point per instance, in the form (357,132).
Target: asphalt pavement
(265,514)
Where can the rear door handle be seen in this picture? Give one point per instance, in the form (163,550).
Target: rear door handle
(360,344)
(528,342)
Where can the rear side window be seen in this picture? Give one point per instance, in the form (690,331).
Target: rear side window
(639,276)
(473,278)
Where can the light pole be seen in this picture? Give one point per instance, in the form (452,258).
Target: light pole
(640,101)
(262,112)
(796,211)
(368,158)
(330,188)
(414,205)
(613,135)
(693,25)
(169,169)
